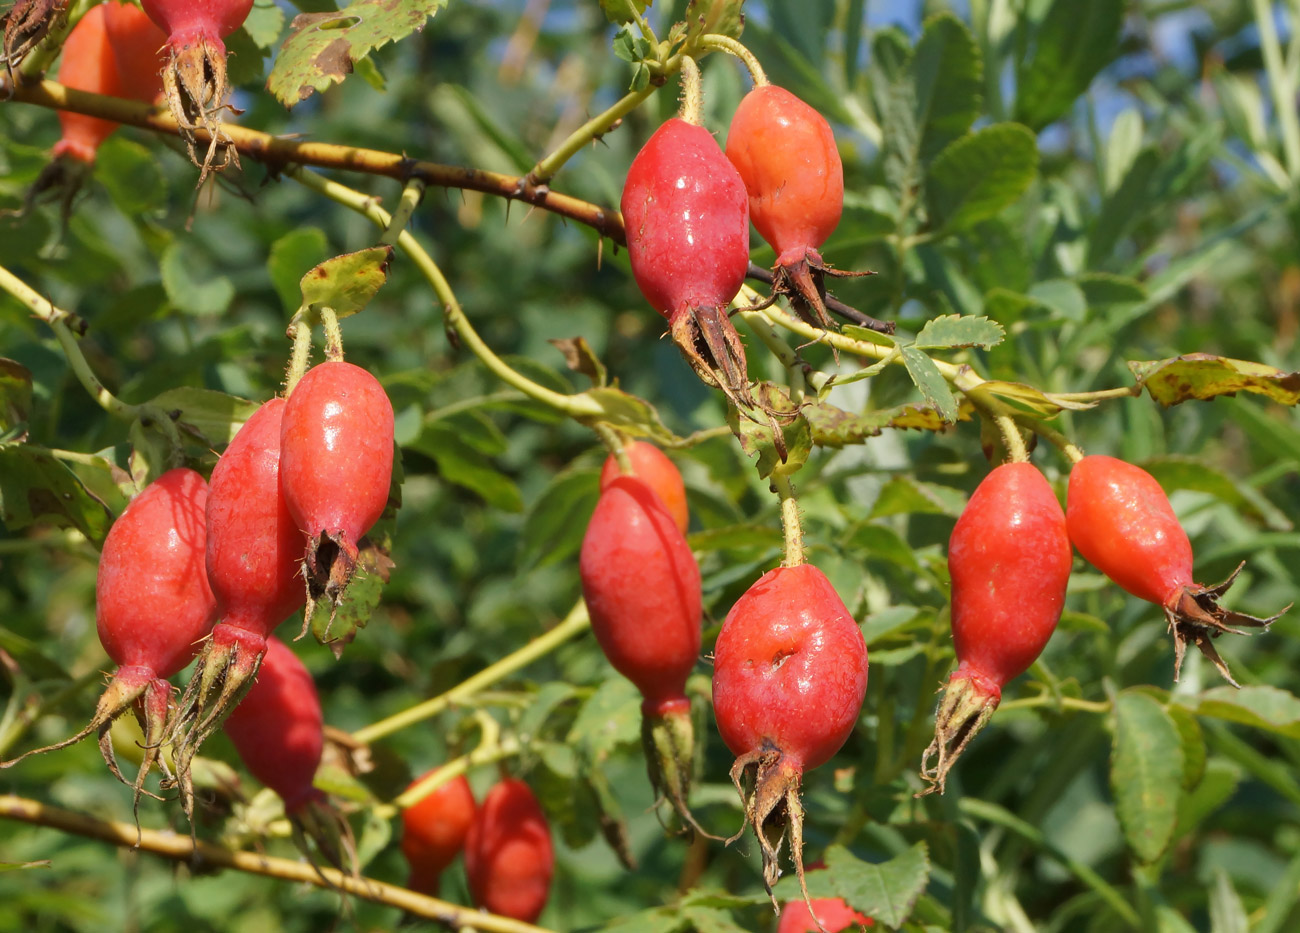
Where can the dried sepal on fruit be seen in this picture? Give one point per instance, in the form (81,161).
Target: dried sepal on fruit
(153,607)
(1009,559)
(1121,521)
(253,553)
(278,731)
(789,677)
(195,78)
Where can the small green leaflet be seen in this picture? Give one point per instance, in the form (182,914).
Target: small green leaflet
(345,284)
(1146,773)
(322,47)
(931,383)
(886,891)
(951,331)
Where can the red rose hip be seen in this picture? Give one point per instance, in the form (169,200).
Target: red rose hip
(508,855)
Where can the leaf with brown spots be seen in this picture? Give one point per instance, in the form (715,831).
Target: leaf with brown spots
(1203,376)
(322,47)
(345,284)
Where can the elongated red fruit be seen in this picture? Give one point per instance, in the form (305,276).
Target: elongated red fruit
(434,830)
(687,219)
(336,449)
(508,855)
(789,675)
(153,607)
(1009,559)
(642,588)
(87,64)
(785,151)
(139,50)
(253,551)
(1122,523)
(652,466)
(195,79)
(277,727)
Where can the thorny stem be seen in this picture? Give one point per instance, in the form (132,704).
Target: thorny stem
(301,356)
(179,847)
(692,107)
(576,622)
(333,335)
(412,194)
(616,445)
(720,43)
(575,406)
(278,152)
(791,527)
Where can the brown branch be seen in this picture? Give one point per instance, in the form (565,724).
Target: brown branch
(278,150)
(181,848)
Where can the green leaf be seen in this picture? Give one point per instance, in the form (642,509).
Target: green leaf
(950,331)
(554,526)
(190,282)
(1033,401)
(15,396)
(886,891)
(1120,209)
(321,47)
(336,627)
(622,11)
(756,430)
(1203,376)
(904,495)
(979,175)
(36,488)
(1062,297)
(264,23)
(629,414)
(295,251)
(1193,473)
(131,175)
(1227,913)
(345,284)
(931,383)
(1268,708)
(1193,743)
(461,464)
(212,417)
(1067,48)
(611,717)
(580,358)
(1146,773)
(711,920)
(27,654)
(719,17)
(948,76)
(19,866)
(894,92)
(657,920)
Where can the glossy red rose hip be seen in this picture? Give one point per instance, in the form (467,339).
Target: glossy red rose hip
(508,855)
(1009,559)
(434,830)
(652,466)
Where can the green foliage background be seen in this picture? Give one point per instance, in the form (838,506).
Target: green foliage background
(1042,163)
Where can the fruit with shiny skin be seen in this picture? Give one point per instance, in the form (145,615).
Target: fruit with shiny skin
(785,152)
(277,727)
(641,585)
(153,607)
(1009,559)
(509,859)
(686,214)
(434,830)
(642,588)
(139,50)
(1121,521)
(656,470)
(253,552)
(87,64)
(789,676)
(336,465)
